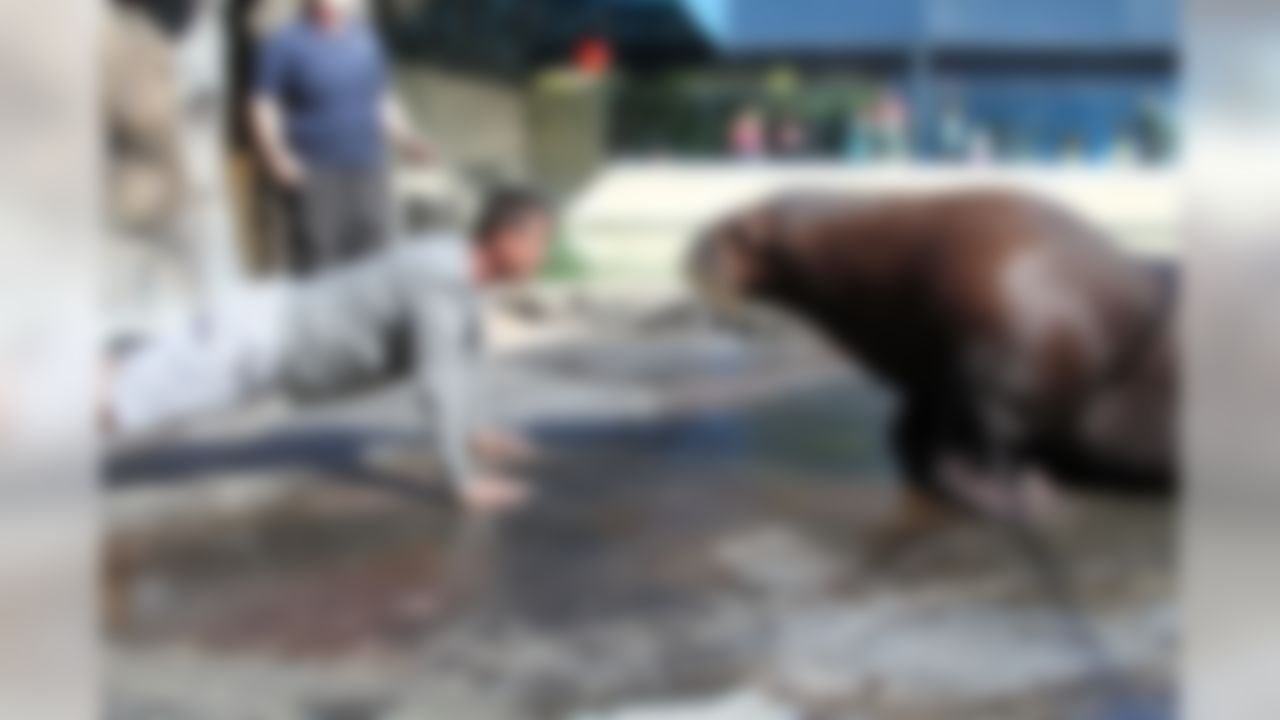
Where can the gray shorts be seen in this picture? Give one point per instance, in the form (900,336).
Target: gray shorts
(336,216)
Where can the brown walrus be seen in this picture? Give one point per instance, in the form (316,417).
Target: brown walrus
(1015,335)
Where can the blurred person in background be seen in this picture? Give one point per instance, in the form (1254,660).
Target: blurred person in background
(140,112)
(982,146)
(890,125)
(411,310)
(955,131)
(164,87)
(1006,145)
(324,116)
(748,135)
(1151,132)
(793,139)
(857,134)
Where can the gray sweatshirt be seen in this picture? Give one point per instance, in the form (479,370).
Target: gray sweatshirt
(411,309)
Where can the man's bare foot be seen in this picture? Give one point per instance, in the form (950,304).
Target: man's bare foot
(500,448)
(492,495)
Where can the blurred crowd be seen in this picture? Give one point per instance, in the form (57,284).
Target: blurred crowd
(883,129)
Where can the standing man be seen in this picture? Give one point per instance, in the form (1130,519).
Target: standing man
(324,117)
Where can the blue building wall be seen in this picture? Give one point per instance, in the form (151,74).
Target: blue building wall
(753,26)
(1071,24)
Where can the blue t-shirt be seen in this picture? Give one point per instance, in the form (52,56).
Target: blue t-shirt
(329,85)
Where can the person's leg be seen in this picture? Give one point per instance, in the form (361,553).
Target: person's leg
(317,210)
(370,212)
(299,245)
(220,357)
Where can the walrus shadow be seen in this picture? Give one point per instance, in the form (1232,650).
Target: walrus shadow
(337,454)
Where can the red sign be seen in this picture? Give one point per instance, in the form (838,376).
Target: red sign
(594,56)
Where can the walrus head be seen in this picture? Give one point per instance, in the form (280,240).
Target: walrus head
(730,262)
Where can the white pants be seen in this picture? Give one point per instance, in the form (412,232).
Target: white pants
(213,360)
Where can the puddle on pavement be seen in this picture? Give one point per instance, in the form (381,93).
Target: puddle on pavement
(617,508)
(836,429)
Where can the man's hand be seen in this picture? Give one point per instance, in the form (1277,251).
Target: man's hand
(267,124)
(417,150)
(500,448)
(485,494)
(493,495)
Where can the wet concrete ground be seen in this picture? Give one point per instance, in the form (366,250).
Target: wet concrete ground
(722,540)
